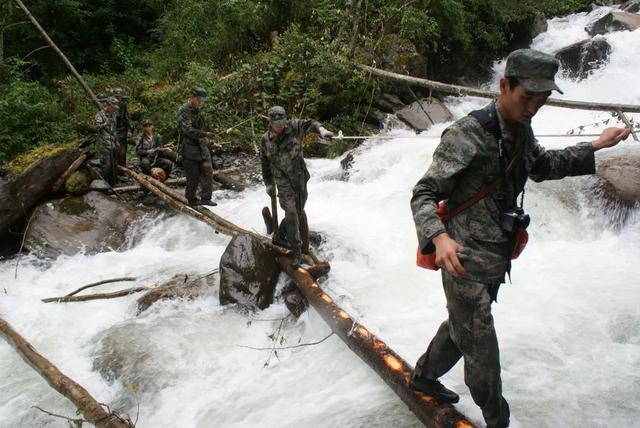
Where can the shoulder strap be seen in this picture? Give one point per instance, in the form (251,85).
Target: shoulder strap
(488,118)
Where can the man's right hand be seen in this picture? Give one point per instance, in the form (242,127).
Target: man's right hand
(271,190)
(447,255)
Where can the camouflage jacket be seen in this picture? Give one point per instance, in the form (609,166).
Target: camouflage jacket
(106,127)
(282,157)
(467,159)
(192,135)
(143,144)
(122,123)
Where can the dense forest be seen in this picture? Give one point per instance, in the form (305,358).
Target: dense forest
(249,54)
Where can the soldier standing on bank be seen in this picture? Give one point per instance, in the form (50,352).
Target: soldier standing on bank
(283,166)
(193,149)
(151,151)
(105,124)
(123,126)
(474,248)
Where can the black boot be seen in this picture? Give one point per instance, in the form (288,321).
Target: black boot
(434,389)
(296,258)
(194,202)
(208,202)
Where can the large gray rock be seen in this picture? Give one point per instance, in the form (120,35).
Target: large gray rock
(623,174)
(91,223)
(20,191)
(248,273)
(423,115)
(632,6)
(614,21)
(580,58)
(401,56)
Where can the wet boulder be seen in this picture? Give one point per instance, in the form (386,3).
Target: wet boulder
(580,58)
(30,179)
(78,182)
(248,273)
(632,6)
(422,115)
(622,173)
(91,223)
(614,21)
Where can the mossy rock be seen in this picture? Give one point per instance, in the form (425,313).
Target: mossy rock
(78,182)
(26,160)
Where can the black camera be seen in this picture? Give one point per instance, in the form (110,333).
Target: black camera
(514,219)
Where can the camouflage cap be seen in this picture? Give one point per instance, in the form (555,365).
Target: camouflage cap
(116,91)
(147,122)
(277,116)
(199,92)
(534,69)
(111,101)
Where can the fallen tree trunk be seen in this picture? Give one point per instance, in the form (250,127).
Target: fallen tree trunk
(463,90)
(373,351)
(179,202)
(91,409)
(97,296)
(385,362)
(72,168)
(105,281)
(172,290)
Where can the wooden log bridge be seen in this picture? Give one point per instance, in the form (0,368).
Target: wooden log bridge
(372,350)
(91,409)
(464,90)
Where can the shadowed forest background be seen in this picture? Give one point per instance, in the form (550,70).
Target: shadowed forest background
(249,54)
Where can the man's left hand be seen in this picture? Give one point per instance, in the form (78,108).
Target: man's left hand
(610,137)
(326,134)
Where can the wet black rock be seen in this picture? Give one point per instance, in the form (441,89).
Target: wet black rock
(614,21)
(20,192)
(248,273)
(580,58)
(422,115)
(91,223)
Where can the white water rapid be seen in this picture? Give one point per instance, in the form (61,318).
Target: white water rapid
(568,326)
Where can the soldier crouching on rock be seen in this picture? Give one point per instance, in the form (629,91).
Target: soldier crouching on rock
(105,124)
(474,248)
(151,151)
(283,166)
(194,149)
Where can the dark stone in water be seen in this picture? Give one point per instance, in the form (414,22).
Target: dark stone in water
(614,21)
(580,58)
(248,273)
(91,223)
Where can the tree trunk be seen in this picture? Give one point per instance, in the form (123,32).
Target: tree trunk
(385,362)
(80,397)
(62,56)
(463,90)
(373,351)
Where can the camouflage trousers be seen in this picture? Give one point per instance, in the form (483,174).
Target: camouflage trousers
(148,162)
(469,333)
(198,171)
(108,162)
(294,225)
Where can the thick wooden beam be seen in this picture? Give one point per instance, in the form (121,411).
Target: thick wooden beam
(463,90)
(80,397)
(383,360)
(373,351)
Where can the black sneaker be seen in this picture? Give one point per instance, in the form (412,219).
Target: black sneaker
(434,389)
(208,202)
(194,202)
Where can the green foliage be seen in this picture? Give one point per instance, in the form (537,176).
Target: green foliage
(31,115)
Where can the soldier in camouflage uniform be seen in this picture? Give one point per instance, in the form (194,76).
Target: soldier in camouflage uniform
(474,249)
(151,151)
(193,147)
(123,127)
(105,124)
(283,166)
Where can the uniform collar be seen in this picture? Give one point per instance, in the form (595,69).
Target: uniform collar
(274,137)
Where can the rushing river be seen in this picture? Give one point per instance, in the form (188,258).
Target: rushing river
(569,325)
